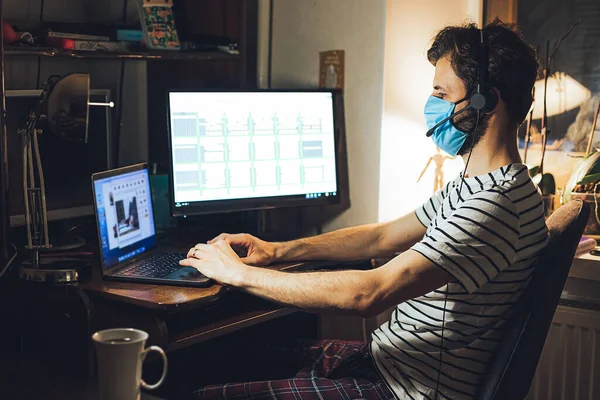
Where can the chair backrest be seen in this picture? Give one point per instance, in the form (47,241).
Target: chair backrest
(510,371)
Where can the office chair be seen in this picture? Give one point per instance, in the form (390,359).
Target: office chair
(511,369)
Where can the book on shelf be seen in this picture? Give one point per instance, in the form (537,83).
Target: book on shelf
(75,36)
(91,45)
(158,25)
(127,35)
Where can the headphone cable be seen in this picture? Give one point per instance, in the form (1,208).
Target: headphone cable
(470,152)
(437,384)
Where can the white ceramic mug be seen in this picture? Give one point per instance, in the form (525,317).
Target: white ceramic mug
(120,353)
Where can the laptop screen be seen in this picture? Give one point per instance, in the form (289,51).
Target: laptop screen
(125,219)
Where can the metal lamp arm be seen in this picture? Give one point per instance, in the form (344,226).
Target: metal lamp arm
(44,221)
(25,138)
(34,195)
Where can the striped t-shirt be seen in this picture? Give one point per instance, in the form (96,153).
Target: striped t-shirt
(487,238)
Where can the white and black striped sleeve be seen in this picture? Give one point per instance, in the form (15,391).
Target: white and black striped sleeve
(427,211)
(476,242)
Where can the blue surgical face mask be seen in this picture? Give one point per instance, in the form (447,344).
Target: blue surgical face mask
(447,137)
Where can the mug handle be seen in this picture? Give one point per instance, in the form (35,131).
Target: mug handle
(164,373)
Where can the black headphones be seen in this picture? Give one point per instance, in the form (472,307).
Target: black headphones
(483,98)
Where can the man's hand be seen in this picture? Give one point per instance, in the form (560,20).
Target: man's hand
(217,261)
(258,252)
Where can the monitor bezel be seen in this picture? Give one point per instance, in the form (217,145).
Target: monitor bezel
(259,203)
(58,214)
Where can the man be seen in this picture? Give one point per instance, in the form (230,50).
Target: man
(467,253)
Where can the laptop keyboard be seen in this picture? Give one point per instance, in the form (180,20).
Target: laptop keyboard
(157,266)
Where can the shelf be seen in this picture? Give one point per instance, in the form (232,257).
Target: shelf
(114,55)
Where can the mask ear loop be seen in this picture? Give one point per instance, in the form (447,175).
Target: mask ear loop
(462,100)
(437,384)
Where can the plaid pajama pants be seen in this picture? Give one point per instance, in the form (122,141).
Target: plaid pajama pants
(328,370)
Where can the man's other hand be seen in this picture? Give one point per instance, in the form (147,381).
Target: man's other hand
(252,251)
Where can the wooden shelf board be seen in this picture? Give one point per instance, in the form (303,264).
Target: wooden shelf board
(112,55)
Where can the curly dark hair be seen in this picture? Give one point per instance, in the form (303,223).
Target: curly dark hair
(512,64)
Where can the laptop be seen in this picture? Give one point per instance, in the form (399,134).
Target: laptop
(126,232)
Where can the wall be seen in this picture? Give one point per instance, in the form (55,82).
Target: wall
(506,10)
(388,80)
(410,26)
(303,28)
(407,83)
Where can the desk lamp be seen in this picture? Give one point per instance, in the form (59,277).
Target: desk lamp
(64,104)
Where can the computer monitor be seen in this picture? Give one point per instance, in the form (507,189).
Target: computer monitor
(248,150)
(67,166)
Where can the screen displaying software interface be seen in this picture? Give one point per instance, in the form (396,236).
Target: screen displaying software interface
(237,145)
(126,223)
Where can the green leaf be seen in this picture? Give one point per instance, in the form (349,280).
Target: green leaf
(589,179)
(533,171)
(547,184)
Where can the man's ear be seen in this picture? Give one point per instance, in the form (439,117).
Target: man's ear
(493,89)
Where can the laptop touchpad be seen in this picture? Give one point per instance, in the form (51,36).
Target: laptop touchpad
(187,274)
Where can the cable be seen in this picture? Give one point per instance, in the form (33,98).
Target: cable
(437,384)
(75,227)
(470,151)
(39,71)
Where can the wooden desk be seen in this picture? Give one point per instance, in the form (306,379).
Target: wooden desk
(56,321)
(586,266)
(172,298)
(174,317)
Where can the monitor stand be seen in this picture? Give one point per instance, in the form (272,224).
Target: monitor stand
(263,229)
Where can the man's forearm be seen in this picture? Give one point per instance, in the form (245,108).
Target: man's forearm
(345,292)
(356,243)
(364,293)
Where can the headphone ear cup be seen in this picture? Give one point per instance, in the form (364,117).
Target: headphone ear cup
(485,101)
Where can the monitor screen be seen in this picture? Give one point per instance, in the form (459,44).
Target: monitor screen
(251,149)
(67,165)
(124,210)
